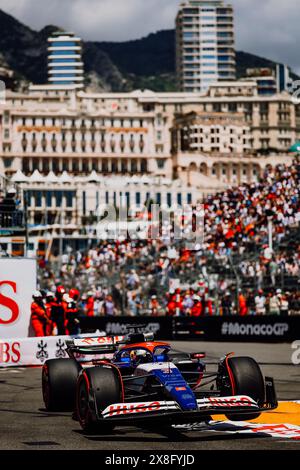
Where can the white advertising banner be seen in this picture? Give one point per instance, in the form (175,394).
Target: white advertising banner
(35,351)
(17,284)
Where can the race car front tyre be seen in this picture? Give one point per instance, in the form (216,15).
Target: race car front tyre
(245,378)
(59,378)
(97,388)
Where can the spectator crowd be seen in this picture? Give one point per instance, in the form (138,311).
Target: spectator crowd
(235,271)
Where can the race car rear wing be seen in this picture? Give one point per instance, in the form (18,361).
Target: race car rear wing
(94,345)
(104,344)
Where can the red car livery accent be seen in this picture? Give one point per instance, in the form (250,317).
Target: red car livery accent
(100,340)
(232,401)
(130,408)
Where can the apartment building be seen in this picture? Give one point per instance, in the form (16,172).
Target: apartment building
(131,133)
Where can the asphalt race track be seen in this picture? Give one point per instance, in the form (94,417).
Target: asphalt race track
(25,424)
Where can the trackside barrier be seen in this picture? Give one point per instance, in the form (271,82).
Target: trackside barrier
(267,329)
(33,351)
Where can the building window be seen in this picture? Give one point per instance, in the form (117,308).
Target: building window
(7,162)
(84,202)
(144,168)
(138,198)
(160,163)
(6,117)
(85,166)
(25,166)
(58,196)
(38,198)
(49,198)
(69,198)
(133,166)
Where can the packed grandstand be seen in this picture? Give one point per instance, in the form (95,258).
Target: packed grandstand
(235,271)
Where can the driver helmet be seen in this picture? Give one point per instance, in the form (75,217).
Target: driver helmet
(133,355)
(136,355)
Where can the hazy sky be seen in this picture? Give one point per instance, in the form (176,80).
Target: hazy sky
(269,28)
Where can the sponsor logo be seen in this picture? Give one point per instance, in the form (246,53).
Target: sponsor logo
(42,353)
(101,340)
(237,329)
(180,389)
(131,408)
(60,351)
(10,352)
(231,401)
(9,303)
(117,328)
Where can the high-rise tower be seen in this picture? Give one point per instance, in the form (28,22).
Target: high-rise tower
(65,66)
(204,44)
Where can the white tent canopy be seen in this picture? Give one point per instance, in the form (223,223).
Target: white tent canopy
(146,180)
(93,177)
(65,178)
(135,179)
(36,177)
(51,178)
(19,177)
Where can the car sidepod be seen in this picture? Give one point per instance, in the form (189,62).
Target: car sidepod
(174,384)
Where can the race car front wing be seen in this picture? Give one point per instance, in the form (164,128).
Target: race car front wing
(170,411)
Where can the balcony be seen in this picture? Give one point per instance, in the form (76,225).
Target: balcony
(264,124)
(284,123)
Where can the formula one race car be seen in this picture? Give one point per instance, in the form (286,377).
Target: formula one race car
(141,382)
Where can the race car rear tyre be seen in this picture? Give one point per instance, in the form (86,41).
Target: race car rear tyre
(59,378)
(245,378)
(97,388)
